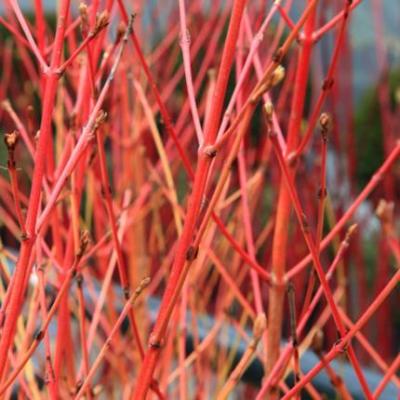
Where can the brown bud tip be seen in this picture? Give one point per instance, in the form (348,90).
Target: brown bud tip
(145,282)
(210,151)
(120,31)
(83,9)
(84,241)
(83,12)
(100,119)
(325,121)
(11,140)
(350,232)
(291,158)
(191,253)
(318,341)
(102,21)
(260,325)
(155,342)
(101,116)
(385,210)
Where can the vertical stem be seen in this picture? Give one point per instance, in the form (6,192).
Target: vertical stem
(23,267)
(184,250)
(277,289)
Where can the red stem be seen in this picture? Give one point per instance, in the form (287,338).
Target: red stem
(23,268)
(204,162)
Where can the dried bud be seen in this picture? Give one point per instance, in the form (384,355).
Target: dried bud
(145,282)
(120,31)
(269,109)
(260,325)
(318,341)
(11,140)
(325,121)
(155,342)
(210,151)
(277,75)
(100,119)
(384,211)
(350,232)
(84,241)
(191,253)
(292,158)
(83,12)
(102,21)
